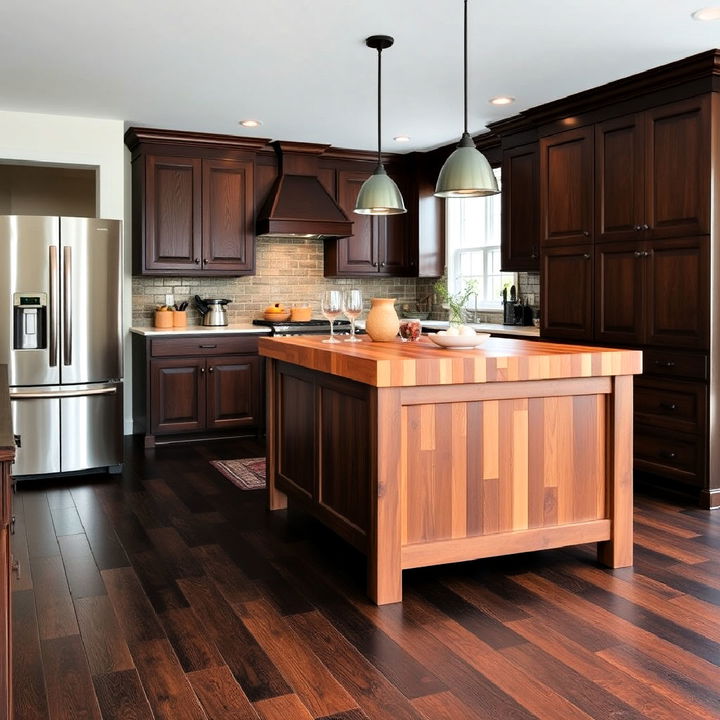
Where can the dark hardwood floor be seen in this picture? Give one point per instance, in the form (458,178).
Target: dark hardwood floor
(169,593)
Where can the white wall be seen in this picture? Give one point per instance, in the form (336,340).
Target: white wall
(89,142)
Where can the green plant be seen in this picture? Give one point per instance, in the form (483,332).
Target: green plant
(457,301)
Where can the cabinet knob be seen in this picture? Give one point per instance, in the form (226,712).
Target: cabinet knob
(665,363)
(374,264)
(645,253)
(15,567)
(211,368)
(669,455)
(668,406)
(202,370)
(382,264)
(586,256)
(586,233)
(197,261)
(12,525)
(637,253)
(637,228)
(205,261)
(646,227)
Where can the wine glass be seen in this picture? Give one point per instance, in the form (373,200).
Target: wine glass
(352,307)
(331,306)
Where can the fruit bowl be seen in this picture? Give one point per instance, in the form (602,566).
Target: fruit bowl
(277,316)
(459,342)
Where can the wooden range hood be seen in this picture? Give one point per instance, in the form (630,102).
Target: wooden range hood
(298,204)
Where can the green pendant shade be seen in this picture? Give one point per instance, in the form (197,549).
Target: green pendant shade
(379,195)
(466,173)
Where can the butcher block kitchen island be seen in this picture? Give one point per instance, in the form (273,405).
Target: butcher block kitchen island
(419,455)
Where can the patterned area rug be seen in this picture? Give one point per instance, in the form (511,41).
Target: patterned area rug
(248,474)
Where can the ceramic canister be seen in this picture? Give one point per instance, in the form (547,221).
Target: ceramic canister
(382,322)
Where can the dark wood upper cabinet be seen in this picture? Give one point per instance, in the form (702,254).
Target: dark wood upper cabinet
(193,202)
(619,178)
(566,284)
(566,187)
(228,217)
(173,215)
(378,246)
(520,246)
(619,277)
(678,292)
(678,168)
(357,254)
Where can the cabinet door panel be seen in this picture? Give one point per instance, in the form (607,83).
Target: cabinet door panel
(520,209)
(619,295)
(177,402)
(233,392)
(228,217)
(678,292)
(566,187)
(619,180)
(678,169)
(566,284)
(357,254)
(173,213)
(296,451)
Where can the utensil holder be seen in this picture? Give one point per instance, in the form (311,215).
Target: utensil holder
(179,318)
(164,318)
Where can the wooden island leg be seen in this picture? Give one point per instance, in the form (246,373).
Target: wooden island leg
(618,551)
(384,569)
(276,500)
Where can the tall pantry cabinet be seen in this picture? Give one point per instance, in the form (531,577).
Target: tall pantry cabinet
(629,250)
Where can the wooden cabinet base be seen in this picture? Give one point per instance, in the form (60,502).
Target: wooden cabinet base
(432,474)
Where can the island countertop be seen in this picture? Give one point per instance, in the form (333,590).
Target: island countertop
(410,364)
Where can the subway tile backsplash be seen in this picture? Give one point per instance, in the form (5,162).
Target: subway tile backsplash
(289,270)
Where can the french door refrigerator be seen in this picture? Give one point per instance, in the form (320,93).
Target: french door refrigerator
(60,336)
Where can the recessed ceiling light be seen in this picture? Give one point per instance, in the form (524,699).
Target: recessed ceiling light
(501,100)
(708,13)
(251,123)
(402,138)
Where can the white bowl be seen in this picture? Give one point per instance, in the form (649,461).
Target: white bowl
(459,342)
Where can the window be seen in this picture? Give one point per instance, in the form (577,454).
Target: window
(473,248)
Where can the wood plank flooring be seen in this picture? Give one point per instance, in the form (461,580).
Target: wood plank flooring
(168,593)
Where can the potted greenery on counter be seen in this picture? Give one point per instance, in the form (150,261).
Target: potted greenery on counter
(457,302)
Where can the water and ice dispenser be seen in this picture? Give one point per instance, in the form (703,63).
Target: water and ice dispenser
(30,321)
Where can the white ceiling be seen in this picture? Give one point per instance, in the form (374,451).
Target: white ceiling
(301,66)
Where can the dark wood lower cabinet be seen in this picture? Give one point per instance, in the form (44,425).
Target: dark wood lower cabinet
(191,388)
(7,454)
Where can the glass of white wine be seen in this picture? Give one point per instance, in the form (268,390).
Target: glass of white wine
(331,304)
(352,307)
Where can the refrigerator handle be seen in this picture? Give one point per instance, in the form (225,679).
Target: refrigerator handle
(67,305)
(62,394)
(53,305)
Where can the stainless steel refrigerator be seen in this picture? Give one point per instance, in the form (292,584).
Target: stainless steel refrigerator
(60,336)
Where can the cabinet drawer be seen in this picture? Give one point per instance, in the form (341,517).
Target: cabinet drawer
(675,364)
(673,455)
(672,405)
(204,345)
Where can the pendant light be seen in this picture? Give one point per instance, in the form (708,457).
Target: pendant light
(379,195)
(466,173)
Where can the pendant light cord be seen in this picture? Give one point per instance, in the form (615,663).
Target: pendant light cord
(379,104)
(465,63)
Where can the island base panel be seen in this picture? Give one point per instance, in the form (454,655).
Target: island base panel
(411,480)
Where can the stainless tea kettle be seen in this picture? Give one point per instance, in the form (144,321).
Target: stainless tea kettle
(213,311)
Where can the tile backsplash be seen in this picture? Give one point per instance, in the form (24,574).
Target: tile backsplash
(289,270)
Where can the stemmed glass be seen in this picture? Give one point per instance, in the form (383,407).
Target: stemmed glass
(331,306)
(352,307)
